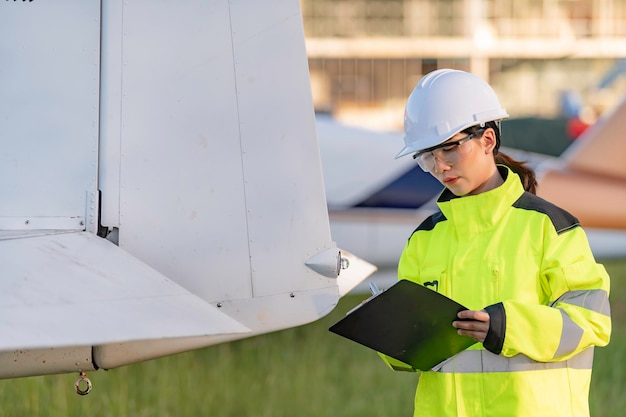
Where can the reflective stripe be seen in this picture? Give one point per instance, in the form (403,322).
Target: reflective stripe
(571,334)
(476,361)
(595,300)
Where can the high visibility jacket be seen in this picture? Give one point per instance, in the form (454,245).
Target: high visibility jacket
(528,263)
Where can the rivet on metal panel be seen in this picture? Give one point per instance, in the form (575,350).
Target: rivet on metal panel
(219,305)
(82,378)
(292,295)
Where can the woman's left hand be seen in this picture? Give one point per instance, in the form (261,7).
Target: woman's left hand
(476,327)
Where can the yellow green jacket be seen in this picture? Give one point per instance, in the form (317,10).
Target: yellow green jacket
(528,263)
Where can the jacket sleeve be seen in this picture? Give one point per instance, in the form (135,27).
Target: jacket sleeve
(576,314)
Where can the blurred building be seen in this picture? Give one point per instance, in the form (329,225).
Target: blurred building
(365,56)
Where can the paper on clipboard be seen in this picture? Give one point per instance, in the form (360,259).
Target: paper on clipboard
(408,322)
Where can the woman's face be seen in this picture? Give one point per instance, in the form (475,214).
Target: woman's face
(474,171)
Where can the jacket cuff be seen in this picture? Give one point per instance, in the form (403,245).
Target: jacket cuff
(497,328)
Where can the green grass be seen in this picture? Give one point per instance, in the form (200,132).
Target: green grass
(305,371)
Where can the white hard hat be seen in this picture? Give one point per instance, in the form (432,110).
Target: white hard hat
(443,103)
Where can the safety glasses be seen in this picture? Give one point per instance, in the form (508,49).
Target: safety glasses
(449,153)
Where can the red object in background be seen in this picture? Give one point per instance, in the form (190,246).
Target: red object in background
(575,127)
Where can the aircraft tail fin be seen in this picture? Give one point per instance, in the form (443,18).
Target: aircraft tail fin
(601,149)
(589,180)
(184,133)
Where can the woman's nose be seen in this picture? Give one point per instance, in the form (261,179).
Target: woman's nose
(440,164)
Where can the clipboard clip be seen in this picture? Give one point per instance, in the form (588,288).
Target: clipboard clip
(375,291)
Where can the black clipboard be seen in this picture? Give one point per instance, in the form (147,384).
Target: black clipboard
(408,322)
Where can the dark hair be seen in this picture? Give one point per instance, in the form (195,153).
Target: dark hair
(526,174)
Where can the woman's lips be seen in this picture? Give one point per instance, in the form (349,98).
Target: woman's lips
(450,181)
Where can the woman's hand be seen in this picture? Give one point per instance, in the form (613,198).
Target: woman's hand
(476,327)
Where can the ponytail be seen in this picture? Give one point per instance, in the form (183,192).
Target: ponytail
(526,174)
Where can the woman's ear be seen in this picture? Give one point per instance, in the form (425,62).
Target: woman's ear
(489,140)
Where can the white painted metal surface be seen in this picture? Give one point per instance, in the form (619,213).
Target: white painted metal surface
(220,173)
(182,203)
(194,120)
(23,362)
(76,289)
(49,82)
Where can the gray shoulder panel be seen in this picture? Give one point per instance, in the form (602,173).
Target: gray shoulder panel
(561,219)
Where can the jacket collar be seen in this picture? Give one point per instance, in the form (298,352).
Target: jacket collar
(473,213)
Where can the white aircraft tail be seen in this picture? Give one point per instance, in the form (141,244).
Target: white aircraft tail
(184,133)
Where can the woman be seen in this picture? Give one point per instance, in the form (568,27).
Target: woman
(538,300)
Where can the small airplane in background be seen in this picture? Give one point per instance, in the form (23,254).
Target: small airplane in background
(375,202)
